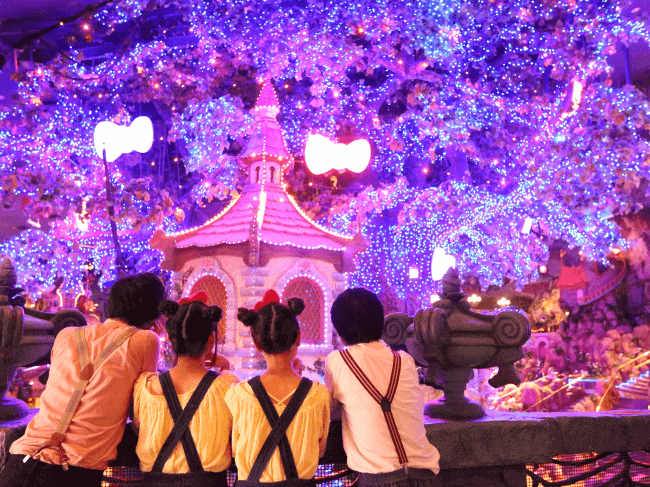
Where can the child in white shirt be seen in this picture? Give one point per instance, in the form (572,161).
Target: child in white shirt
(383,428)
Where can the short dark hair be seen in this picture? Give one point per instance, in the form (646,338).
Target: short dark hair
(274,328)
(358,316)
(135,299)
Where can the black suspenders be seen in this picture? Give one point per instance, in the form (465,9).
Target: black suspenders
(182,417)
(277,437)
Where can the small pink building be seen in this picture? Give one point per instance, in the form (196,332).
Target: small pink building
(263,240)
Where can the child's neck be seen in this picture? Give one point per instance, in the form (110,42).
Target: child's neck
(280,364)
(190,364)
(280,379)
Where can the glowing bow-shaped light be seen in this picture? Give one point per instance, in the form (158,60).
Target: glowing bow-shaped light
(323,155)
(122,139)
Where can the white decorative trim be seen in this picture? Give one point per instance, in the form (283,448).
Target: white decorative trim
(209,222)
(304,268)
(210,267)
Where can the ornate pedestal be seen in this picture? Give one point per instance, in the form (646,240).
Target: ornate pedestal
(452,340)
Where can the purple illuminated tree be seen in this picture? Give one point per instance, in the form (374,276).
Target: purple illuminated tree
(480,114)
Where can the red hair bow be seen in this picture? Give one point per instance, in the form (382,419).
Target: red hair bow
(197,297)
(269,297)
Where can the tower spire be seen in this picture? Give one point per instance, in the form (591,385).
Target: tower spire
(266,144)
(268,105)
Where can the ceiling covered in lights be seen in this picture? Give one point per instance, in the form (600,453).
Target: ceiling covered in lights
(30,29)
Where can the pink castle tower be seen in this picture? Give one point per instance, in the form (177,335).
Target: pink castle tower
(263,240)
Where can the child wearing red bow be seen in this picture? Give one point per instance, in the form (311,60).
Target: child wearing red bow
(214,360)
(280,401)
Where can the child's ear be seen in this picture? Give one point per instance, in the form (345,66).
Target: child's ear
(298,338)
(211,341)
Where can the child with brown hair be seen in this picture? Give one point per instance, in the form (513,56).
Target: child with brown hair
(185,405)
(280,420)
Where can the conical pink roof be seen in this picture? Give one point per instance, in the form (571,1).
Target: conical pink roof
(264,221)
(268,105)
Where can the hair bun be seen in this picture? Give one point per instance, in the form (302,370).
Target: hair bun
(168,307)
(212,313)
(247,316)
(296,305)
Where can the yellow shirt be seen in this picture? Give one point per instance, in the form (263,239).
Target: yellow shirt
(210,426)
(307,432)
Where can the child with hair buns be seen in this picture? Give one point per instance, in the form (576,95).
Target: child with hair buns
(299,409)
(182,417)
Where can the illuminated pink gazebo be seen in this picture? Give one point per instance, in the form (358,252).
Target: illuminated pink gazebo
(263,240)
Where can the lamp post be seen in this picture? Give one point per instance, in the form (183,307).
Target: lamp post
(111,141)
(413,275)
(119,259)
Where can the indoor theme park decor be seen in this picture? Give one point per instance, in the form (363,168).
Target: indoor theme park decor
(479,116)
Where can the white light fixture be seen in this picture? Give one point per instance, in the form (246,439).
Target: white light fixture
(474,299)
(528,224)
(434,298)
(542,269)
(122,139)
(111,141)
(503,302)
(322,155)
(414,272)
(440,263)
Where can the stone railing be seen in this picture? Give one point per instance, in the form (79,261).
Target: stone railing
(504,448)
(500,449)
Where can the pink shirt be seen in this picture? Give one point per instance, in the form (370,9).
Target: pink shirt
(98,424)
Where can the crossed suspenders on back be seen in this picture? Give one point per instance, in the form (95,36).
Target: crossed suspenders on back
(277,437)
(87,369)
(181,433)
(383,401)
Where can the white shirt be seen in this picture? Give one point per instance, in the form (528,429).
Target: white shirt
(366,438)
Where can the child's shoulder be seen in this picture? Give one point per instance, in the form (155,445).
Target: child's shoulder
(317,397)
(335,357)
(318,389)
(243,393)
(241,387)
(335,360)
(239,393)
(147,384)
(224,383)
(406,357)
(146,376)
(227,377)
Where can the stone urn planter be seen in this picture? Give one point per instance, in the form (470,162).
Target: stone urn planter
(452,340)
